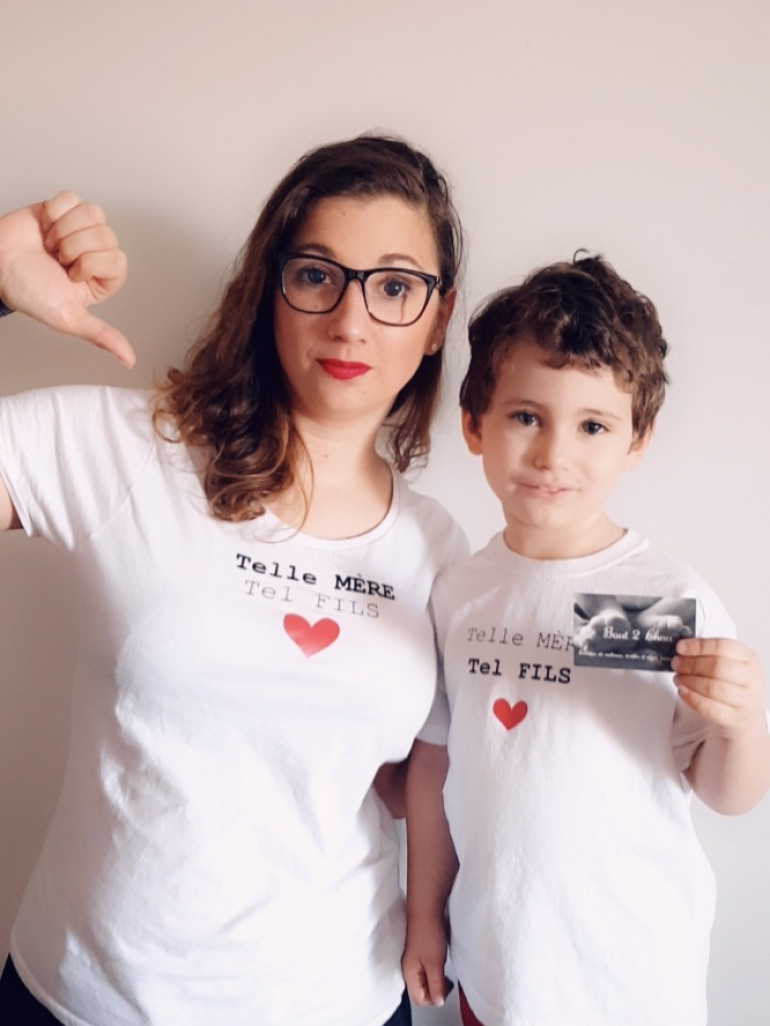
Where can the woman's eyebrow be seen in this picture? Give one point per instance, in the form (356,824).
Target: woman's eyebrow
(386,260)
(403,258)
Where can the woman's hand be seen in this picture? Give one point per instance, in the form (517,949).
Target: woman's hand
(58,258)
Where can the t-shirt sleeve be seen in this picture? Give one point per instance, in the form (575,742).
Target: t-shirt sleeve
(445,544)
(68,457)
(689,728)
(435,730)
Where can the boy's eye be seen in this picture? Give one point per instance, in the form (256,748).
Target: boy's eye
(593,427)
(524,417)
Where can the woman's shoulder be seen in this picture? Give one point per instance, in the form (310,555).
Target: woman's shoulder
(432,519)
(88,418)
(81,404)
(69,455)
(420,503)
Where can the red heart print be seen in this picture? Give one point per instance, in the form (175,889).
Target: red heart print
(310,638)
(509,715)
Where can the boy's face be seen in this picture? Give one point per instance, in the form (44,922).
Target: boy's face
(554,443)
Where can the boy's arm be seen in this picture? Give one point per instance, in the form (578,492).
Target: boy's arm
(390,785)
(431,868)
(722,680)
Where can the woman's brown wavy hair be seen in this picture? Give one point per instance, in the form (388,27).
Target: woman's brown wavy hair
(230,396)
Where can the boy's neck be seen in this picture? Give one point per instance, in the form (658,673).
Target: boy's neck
(547,544)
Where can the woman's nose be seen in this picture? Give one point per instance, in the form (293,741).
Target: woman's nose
(350,318)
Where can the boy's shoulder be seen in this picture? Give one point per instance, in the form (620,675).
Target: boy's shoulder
(632,549)
(478,562)
(630,566)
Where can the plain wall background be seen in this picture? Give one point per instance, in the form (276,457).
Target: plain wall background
(635,128)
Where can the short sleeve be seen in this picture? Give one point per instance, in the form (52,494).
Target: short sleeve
(69,455)
(435,730)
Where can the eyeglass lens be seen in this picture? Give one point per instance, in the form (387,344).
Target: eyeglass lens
(393,296)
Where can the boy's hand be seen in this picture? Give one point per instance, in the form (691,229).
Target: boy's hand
(58,258)
(423,962)
(722,680)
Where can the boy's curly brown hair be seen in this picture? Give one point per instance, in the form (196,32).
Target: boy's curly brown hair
(579,312)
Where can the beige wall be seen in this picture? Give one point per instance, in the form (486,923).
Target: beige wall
(632,127)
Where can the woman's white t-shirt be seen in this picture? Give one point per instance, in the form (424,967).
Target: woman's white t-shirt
(217,856)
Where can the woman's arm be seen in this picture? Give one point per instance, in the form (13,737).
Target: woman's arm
(56,259)
(8,519)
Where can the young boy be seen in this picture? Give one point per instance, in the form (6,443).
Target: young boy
(579,892)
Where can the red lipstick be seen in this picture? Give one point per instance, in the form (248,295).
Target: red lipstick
(343,370)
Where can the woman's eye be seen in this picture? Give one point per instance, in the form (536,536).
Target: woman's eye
(593,427)
(310,275)
(395,288)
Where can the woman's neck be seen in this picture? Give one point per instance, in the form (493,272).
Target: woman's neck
(342,486)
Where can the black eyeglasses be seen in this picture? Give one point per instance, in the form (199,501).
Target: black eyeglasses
(392,295)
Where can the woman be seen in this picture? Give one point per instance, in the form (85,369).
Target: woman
(252,577)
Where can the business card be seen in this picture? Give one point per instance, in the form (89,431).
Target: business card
(630,631)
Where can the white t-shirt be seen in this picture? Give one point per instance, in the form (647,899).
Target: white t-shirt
(217,857)
(583,897)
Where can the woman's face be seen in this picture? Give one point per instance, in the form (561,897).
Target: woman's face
(343,367)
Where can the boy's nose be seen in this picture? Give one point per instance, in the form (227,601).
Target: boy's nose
(552,451)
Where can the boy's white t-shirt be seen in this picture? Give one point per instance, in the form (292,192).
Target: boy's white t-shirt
(217,857)
(583,896)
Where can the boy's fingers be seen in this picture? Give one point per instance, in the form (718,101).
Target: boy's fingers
(715,712)
(426,985)
(417,986)
(698,690)
(717,658)
(720,679)
(726,648)
(705,670)
(436,986)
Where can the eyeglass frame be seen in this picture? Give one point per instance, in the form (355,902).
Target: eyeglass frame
(433,282)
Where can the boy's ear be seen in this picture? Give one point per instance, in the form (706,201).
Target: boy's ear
(639,447)
(471,433)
